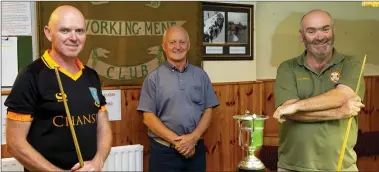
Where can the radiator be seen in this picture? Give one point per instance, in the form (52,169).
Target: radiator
(125,158)
(121,158)
(11,164)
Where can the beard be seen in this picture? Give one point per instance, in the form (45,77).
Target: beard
(320,48)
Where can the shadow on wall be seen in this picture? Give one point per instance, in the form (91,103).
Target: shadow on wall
(352,37)
(285,42)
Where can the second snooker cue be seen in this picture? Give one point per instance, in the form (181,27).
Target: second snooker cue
(339,165)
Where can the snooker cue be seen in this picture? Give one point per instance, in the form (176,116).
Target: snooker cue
(77,148)
(339,166)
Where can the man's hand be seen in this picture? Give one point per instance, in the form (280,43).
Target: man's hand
(284,110)
(351,107)
(192,152)
(186,144)
(88,166)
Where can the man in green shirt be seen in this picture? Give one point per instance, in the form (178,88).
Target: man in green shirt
(314,98)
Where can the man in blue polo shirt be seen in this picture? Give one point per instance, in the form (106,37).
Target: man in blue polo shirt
(177,100)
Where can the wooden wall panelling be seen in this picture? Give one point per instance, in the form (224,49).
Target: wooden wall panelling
(138,132)
(219,138)
(251,97)
(370,163)
(364,114)
(374,109)
(4,152)
(271,125)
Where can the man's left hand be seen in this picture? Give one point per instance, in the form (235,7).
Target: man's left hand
(186,143)
(88,166)
(284,110)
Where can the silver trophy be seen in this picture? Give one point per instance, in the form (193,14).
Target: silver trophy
(250,138)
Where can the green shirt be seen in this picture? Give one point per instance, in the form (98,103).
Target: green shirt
(305,146)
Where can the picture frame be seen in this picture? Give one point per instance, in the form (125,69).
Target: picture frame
(227,31)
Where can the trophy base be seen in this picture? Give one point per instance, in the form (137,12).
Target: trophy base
(243,170)
(251,164)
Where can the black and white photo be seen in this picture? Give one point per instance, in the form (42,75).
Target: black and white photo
(214,27)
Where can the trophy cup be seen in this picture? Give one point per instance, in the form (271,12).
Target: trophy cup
(250,138)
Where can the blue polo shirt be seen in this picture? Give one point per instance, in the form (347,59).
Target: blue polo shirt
(177,98)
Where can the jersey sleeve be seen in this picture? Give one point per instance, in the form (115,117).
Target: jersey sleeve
(100,95)
(22,101)
(285,85)
(350,75)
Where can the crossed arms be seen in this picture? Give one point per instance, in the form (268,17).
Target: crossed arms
(341,102)
(338,103)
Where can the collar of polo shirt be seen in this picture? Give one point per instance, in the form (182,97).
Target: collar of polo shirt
(172,67)
(337,58)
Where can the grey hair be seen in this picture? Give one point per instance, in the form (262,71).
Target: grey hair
(165,34)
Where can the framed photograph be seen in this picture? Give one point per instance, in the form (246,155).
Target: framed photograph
(227,31)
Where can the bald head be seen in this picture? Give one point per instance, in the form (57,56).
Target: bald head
(174,29)
(65,11)
(66,31)
(317,33)
(316,16)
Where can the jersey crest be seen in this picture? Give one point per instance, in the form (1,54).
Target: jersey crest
(335,76)
(94,95)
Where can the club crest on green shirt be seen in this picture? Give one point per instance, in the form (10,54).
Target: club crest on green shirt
(335,76)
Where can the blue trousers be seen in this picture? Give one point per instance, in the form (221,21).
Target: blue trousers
(167,159)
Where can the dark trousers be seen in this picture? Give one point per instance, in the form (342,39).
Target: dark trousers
(167,159)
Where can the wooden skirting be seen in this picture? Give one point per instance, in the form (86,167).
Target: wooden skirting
(221,138)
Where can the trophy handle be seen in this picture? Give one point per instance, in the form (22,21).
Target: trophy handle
(240,130)
(239,133)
